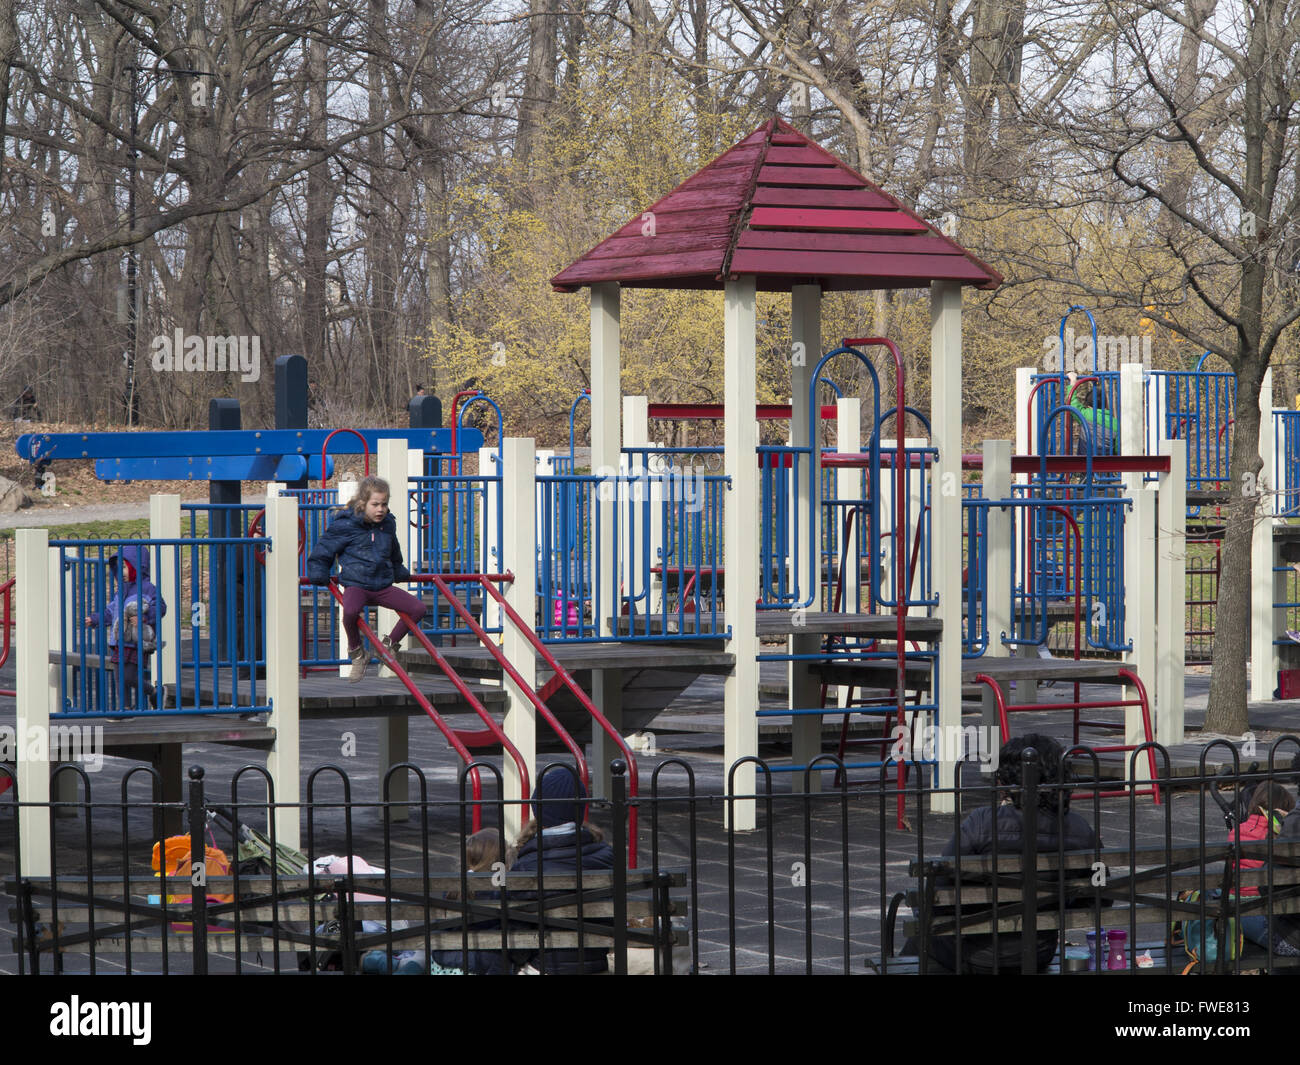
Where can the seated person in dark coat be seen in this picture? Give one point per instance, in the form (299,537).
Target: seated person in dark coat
(558,838)
(977,836)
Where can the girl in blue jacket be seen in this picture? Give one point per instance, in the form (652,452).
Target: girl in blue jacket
(130,616)
(363,537)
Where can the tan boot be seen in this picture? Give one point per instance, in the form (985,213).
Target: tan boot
(359,661)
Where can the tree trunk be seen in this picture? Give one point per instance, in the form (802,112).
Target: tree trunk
(1227,703)
(316,237)
(539,76)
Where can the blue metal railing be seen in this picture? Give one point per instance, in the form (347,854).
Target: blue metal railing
(1070,438)
(667,538)
(1197,407)
(1286,463)
(1046,562)
(456,527)
(109,661)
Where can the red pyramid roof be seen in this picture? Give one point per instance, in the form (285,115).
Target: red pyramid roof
(780,207)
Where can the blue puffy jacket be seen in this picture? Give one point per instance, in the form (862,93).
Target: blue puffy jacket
(369,555)
(132,595)
(558,853)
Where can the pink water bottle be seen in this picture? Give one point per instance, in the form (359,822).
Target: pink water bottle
(1116,939)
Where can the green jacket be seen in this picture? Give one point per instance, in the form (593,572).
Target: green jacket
(1105,425)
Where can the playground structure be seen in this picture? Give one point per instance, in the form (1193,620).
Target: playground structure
(846,565)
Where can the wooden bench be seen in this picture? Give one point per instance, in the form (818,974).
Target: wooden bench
(131,922)
(1137,892)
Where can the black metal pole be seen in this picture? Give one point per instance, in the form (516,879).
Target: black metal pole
(618,788)
(198,819)
(1029,866)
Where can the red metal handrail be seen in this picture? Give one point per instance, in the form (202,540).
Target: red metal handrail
(578,693)
(497,732)
(365,453)
(533,697)
(476,785)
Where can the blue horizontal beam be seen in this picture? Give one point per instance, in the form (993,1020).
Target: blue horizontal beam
(213,468)
(241,442)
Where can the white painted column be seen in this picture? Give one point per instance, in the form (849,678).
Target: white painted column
(803,685)
(1264,662)
(409,535)
(392,468)
(347,490)
(1140,555)
(1026,438)
(848,486)
(638,507)
(605,443)
(998,548)
(1171,599)
(519,554)
(282,661)
(38,694)
(945,420)
(806,346)
(606,452)
(489,504)
(165,524)
(740,533)
(61,622)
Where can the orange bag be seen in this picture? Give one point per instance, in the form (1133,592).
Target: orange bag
(178,864)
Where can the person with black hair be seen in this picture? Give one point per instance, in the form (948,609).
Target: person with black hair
(1004,824)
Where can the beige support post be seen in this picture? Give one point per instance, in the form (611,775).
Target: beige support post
(392,468)
(347,490)
(519,557)
(282,617)
(1171,598)
(606,452)
(1264,662)
(1026,444)
(38,695)
(165,524)
(740,548)
(803,686)
(848,486)
(1026,691)
(999,545)
(489,465)
(66,787)
(945,420)
(1140,556)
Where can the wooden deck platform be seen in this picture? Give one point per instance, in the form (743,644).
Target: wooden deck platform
(881,673)
(653,675)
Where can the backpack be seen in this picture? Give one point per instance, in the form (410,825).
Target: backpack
(130,631)
(1202,940)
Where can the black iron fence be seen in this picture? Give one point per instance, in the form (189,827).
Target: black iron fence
(1024,865)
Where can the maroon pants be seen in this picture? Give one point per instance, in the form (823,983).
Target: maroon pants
(356,599)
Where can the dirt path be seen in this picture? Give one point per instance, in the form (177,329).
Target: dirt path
(49,515)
